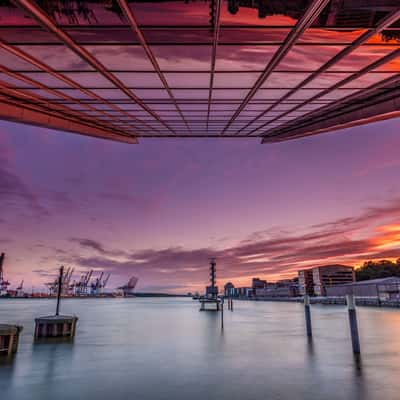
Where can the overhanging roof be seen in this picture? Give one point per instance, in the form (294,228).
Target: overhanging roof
(272,69)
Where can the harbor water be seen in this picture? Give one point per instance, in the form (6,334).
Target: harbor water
(164,348)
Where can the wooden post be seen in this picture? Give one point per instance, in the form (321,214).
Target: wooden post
(231,304)
(307,313)
(355,340)
(10,344)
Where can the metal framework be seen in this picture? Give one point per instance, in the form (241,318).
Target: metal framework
(275,69)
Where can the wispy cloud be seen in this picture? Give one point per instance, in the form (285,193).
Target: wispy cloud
(272,253)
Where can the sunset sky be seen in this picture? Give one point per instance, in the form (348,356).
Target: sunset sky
(160,209)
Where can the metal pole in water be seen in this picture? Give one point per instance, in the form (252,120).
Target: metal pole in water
(231,304)
(59,289)
(355,340)
(307,313)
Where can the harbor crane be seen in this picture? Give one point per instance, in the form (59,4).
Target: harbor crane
(3,282)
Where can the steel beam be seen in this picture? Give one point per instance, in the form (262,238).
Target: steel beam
(309,16)
(383,24)
(129,15)
(216,27)
(43,105)
(391,56)
(39,85)
(28,115)
(60,76)
(378,102)
(37,13)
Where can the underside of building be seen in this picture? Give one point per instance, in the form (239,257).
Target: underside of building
(268,69)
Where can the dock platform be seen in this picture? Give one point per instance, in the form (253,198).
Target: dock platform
(55,326)
(207,304)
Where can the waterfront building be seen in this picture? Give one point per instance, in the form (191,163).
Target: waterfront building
(243,292)
(382,289)
(258,283)
(331,275)
(228,289)
(282,288)
(306,282)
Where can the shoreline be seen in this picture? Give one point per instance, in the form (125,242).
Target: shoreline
(360,301)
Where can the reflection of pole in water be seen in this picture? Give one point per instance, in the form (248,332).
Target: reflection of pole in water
(222,313)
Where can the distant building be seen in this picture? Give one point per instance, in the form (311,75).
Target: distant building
(228,289)
(331,275)
(243,292)
(282,288)
(383,288)
(258,283)
(306,282)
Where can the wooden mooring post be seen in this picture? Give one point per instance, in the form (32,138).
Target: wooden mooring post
(355,340)
(307,313)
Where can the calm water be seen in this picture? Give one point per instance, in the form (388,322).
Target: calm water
(166,349)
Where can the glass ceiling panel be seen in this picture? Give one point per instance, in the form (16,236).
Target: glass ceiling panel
(330,36)
(362,57)
(89,79)
(191,80)
(367,80)
(283,80)
(239,58)
(101,35)
(28,34)
(241,79)
(121,57)
(180,35)
(239,35)
(308,58)
(57,57)
(140,79)
(173,36)
(13,62)
(175,58)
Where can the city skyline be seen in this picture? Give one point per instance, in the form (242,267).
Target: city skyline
(160,210)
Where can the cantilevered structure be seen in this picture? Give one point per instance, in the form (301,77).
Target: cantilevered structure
(272,69)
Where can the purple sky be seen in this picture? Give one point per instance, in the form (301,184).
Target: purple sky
(160,209)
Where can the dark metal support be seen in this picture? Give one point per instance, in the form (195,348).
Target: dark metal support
(55,92)
(62,77)
(309,16)
(389,57)
(361,40)
(222,313)
(59,289)
(37,13)
(135,27)
(216,27)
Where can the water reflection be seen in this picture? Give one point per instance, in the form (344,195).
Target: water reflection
(123,347)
